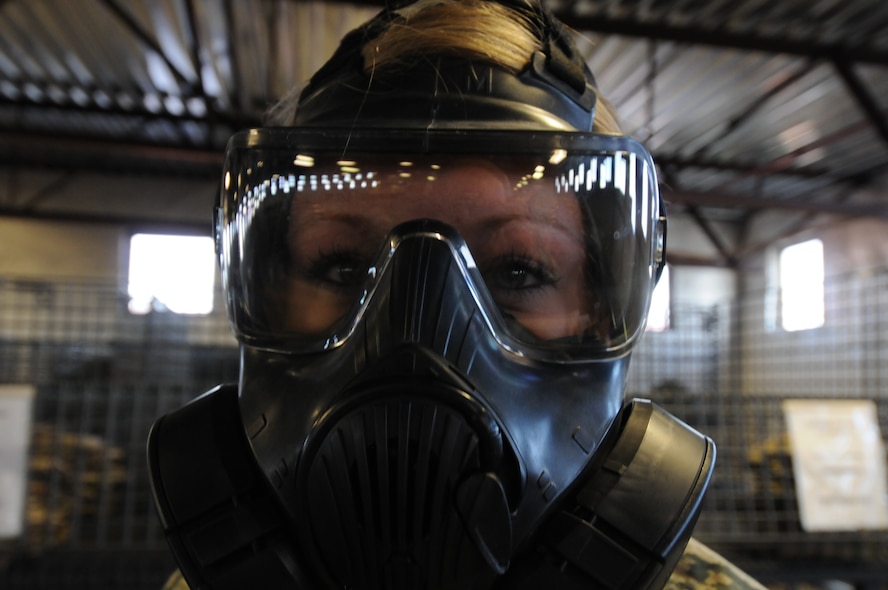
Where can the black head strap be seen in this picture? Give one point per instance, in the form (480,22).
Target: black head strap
(562,55)
(341,86)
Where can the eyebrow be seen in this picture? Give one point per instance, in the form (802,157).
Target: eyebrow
(498,221)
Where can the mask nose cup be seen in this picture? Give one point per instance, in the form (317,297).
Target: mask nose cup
(415,285)
(426,301)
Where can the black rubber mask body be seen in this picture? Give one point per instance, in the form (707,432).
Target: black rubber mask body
(423,404)
(421,452)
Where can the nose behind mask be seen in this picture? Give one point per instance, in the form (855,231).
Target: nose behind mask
(423,451)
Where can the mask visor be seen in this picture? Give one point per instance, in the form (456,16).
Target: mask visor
(559,234)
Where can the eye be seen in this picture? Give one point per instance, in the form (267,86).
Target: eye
(516,273)
(338,269)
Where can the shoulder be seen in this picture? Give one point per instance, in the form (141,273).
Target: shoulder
(700,567)
(176,582)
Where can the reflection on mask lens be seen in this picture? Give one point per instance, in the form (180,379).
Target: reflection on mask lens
(563,242)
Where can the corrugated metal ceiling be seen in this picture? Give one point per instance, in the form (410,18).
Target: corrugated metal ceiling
(745,104)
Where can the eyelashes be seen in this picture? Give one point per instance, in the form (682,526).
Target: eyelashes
(337,269)
(517,274)
(507,276)
(325,284)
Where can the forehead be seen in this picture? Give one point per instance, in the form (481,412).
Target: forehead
(404,170)
(461,191)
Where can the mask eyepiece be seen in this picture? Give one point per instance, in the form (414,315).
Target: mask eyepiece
(562,232)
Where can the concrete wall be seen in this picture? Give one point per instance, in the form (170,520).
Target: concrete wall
(60,250)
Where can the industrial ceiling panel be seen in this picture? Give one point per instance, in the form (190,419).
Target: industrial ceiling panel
(743,103)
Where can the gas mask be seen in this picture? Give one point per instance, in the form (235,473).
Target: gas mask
(436,320)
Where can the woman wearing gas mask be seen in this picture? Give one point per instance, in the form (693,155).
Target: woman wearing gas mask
(437,261)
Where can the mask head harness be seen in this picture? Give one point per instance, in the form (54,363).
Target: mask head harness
(426,439)
(555,91)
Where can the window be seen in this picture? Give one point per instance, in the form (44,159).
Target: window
(658,315)
(801,286)
(170,272)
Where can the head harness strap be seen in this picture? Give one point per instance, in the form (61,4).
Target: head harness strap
(559,66)
(562,55)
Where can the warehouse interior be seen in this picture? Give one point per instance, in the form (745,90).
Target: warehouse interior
(768,122)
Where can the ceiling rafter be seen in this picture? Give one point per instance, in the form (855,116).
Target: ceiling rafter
(137,114)
(757,151)
(724,200)
(149,42)
(682,162)
(234,97)
(864,98)
(194,48)
(695,35)
(103,155)
(730,260)
(737,121)
(158,224)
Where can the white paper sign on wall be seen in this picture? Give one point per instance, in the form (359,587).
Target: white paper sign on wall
(838,460)
(15,435)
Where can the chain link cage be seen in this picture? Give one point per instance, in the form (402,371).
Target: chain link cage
(103,375)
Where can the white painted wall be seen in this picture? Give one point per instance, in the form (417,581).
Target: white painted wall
(40,248)
(848,356)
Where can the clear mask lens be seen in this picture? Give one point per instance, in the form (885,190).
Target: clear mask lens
(561,231)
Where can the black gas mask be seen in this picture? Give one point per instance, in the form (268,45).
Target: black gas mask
(436,317)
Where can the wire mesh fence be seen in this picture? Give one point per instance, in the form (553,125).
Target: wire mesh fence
(103,375)
(727,370)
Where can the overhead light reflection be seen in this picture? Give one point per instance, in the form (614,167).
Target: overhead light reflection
(557,156)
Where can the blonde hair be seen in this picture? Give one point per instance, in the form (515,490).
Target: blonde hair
(481,30)
(476,29)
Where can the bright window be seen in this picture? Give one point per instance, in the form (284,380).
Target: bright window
(658,315)
(170,272)
(801,286)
